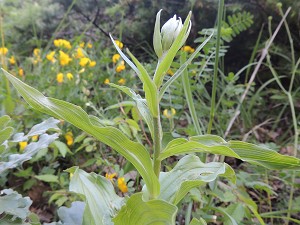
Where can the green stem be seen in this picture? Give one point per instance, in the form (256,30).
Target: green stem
(188,95)
(188,213)
(157,145)
(216,65)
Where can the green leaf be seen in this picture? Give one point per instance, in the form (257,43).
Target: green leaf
(4,120)
(62,147)
(12,203)
(5,134)
(166,60)
(190,172)
(141,105)
(137,211)
(49,178)
(236,211)
(72,215)
(157,36)
(227,216)
(132,151)
(149,87)
(100,197)
(34,147)
(38,129)
(198,222)
(179,72)
(248,152)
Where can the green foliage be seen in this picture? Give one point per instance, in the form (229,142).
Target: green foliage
(236,24)
(13,207)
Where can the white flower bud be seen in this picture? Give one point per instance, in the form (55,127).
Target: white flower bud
(170,31)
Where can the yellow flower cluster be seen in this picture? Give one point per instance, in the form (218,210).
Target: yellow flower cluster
(119,44)
(187,49)
(169,113)
(22,145)
(69,137)
(12,60)
(106,81)
(64,58)
(110,176)
(36,56)
(122,184)
(60,77)
(3,51)
(62,43)
(51,57)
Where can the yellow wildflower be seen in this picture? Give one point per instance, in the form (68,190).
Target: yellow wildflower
(23,145)
(119,43)
(79,53)
(62,43)
(69,138)
(169,113)
(50,56)
(170,72)
(35,137)
(3,51)
(89,45)
(110,176)
(121,81)
(60,77)
(21,72)
(36,52)
(115,58)
(188,49)
(70,76)
(122,184)
(64,58)
(120,68)
(12,60)
(81,45)
(84,61)
(106,81)
(92,63)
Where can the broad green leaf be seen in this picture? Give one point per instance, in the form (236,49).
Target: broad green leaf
(151,93)
(72,215)
(154,212)
(238,149)
(62,148)
(141,104)
(34,147)
(101,200)
(4,120)
(157,36)
(49,178)
(38,129)
(166,60)
(132,151)
(12,203)
(179,72)
(190,172)
(198,222)
(5,134)
(120,104)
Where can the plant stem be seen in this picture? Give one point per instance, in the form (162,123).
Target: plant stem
(157,145)
(188,95)
(188,213)
(216,66)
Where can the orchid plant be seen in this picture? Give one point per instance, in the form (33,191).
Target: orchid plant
(158,201)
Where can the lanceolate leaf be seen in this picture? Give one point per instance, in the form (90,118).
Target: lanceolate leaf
(149,87)
(238,149)
(101,200)
(198,222)
(141,105)
(190,172)
(136,211)
(132,151)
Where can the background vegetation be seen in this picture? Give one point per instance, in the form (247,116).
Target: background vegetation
(62,48)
